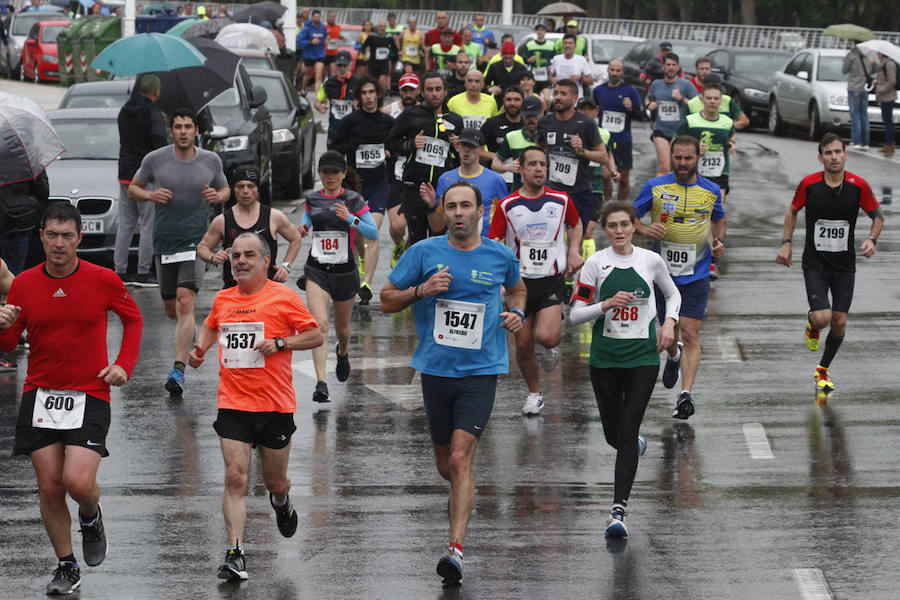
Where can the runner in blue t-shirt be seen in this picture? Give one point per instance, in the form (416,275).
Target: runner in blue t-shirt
(454,281)
(619,103)
(668,98)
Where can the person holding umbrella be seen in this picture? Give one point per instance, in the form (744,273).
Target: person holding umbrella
(886,95)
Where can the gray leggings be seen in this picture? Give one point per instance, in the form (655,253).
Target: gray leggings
(130,213)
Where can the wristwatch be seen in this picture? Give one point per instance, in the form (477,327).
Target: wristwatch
(280,344)
(287,265)
(355,222)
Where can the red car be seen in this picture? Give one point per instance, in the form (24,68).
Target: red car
(39,59)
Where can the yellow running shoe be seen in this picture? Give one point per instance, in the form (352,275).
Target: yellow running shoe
(588,248)
(396,254)
(822,380)
(811,336)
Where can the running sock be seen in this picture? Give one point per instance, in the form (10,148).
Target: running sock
(68,559)
(179,365)
(278,504)
(457,547)
(832,343)
(677,353)
(620,503)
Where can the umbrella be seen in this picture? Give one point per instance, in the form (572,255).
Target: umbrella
(209,29)
(562,8)
(259,12)
(246,35)
(147,52)
(195,87)
(849,31)
(890,50)
(181,26)
(28,142)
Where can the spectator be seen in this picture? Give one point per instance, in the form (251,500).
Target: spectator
(859,82)
(886,95)
(223,11)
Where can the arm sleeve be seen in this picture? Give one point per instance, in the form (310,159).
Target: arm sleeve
(306,220)
(367,225)
(799,200)
(644,200)
(668,288)
(124,306)
(585,304)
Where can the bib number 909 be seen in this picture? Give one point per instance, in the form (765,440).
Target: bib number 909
(676,256)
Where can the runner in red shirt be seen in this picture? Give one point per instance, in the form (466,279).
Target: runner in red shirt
(64,415)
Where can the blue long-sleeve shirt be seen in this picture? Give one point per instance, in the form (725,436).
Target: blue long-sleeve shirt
(305,39)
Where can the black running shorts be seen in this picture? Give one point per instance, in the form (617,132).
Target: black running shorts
(267,429)
(91,434)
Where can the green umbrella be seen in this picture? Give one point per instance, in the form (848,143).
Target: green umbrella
(849,31)
(179,27)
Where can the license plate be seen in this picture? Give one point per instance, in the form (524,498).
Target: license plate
(91,225)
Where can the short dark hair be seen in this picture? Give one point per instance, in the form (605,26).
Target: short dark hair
(365,79)
(531,149)
(432,75)
(463,184)
(686,140)
(616,206)
(513,89)
(263,245)
(702,59)
(62,211)
(713,85)
(526,74)
(570,36)
(316,12)
(573,87)
(184,113)
(671,56)
(828,139)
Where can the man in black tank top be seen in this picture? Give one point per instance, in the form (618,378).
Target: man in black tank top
(249,216)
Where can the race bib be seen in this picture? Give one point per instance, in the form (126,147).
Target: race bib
(628,322)
(613,121)
(381,53)
(540,74)
(680,258)
(831,236)
(330,247)
(712,164)
(537,258)
(563,169)
(434,152)
(399,167)
(178,257)
(331,44)
(668,111)
(412,51)
(237,341)
(369,156)
(473,121)
(508,176)
(58,409)
(458,324)
(341,108)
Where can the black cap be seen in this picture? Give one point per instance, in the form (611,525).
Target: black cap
(541,24)
(532,106)
(471,136)
(245,173)
(332,161)
(586,101)
(343,58)
(712,78)
(665,45)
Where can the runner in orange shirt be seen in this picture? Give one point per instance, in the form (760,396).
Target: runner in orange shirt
(332,42)
(257,324)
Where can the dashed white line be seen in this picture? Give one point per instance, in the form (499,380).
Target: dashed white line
(757,442)
(812,584)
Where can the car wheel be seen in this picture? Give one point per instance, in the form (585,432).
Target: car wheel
(815,123)
(37,74)
(776,125)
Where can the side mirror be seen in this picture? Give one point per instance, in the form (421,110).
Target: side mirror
(803,75)
(258,97)
(218,132)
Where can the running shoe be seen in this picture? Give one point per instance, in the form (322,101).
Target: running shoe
(549,358)
(713,272)
(365,294)
(396,253)
(342,370)
(145,280)
(234,567)
(811,336)
(615,524)
(175,382)
(7,363)
(684,408)
(533,404)
(285,516)
(588,248)
(822,380)
(642,445)
(362,266)
(93,539)
(673,366)
(66,579)
(321,393)
(450,567)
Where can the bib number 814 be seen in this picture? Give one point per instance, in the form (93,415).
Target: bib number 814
(59,403)
(537,254)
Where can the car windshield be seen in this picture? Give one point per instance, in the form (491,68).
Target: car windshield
(23,23)
(256,62)
(229,97)
(687,55)
(91,139)
(758,63)
(276,95)
(603,51)
(830,68)
(49,34)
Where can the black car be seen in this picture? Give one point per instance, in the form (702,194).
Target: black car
(688,51)
(747,76)
(293,133)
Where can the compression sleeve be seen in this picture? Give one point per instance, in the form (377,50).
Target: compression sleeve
(367,226)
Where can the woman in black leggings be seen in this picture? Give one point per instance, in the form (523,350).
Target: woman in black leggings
(615,290)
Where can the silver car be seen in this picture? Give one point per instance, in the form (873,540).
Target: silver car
(811,92)
(87,173)
(17,27)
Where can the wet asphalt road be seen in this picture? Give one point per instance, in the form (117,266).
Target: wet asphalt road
(764,493)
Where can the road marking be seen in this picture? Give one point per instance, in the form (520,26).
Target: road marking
(757,442)
(728,349)
(812,584)
(407,396)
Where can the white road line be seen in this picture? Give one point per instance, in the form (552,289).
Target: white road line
(757,442)
(728,349)
(812,584)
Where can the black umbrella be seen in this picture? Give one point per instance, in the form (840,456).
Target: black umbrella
(195,87)
(208,29)
(259,12)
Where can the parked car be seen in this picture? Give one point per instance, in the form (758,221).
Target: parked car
(17,26)
(87,174)
(39,59)
(811,92)
(601,49)
(747,76)
(293,133)
(252,58)
(97,94)
(688,51)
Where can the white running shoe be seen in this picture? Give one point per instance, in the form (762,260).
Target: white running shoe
(533,404)
(549,358)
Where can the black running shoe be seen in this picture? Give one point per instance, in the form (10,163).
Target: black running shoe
(321,393)
(342,370)
(66,579)
(685,406)
(450,567)
(670,371)
(234,567)
(365,294)
(145,280)
(285,516)
(93,539)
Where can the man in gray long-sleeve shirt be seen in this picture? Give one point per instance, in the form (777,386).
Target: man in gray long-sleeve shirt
(856,66)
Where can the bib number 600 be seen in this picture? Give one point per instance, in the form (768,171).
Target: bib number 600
(59,403)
